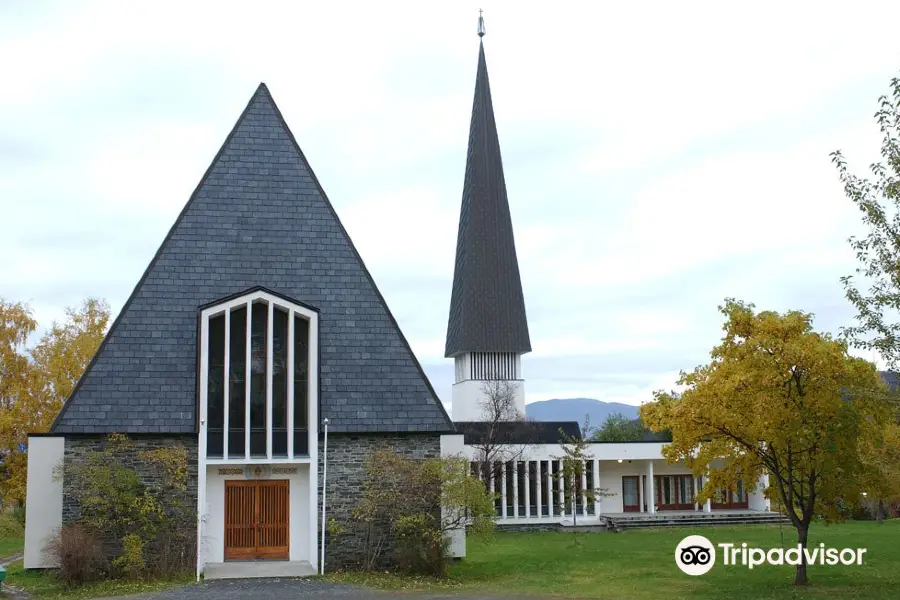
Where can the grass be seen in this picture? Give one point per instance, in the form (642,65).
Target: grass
(44,584)
(9,546)
(640,564)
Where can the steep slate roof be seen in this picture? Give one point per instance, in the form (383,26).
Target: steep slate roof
(487,307)
(258,218)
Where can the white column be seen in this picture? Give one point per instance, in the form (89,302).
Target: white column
(707,507)
(549,488)
(562,489)
(270,329)
(696,491)
(227,382)
(642,493)
(584,510)
(596,487)
(515,465)
(290,385)
(527,489)
(765,484)
(538,491)
(503,491)
(248,376)
(651,495)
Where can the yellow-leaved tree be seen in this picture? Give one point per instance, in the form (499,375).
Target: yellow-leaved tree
(36,381)
(780,399)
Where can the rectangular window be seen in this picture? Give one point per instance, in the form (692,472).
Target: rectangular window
(301,386)
(258,376)
(215,393)
(238,383)
(279,383)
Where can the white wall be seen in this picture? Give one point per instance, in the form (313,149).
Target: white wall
(468,399)
(214,539)
(452,445)
(43,510)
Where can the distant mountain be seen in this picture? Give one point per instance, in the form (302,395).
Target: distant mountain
(575,409)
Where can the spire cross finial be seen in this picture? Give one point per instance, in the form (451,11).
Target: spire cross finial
(480,23)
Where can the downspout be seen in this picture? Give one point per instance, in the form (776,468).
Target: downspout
(324,487)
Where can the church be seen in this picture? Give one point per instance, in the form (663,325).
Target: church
(257,320)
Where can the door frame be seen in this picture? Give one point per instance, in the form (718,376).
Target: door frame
(729,500)
(271,515)
(632,507)
(657,489)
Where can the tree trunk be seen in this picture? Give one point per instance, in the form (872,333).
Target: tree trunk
(880,512)
(800,577)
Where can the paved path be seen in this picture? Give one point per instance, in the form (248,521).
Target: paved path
(280,589)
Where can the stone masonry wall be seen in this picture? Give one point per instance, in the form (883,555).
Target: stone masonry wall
(78,448)
(347,456)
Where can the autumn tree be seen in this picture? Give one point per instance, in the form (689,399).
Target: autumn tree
(875,292)
(777,398)
(16,325)
(36,380)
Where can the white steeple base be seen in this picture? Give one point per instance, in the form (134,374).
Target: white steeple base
(488,387)
(472,403)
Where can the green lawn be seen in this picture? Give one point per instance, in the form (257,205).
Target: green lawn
(640,564)
(45,585)
(9,546)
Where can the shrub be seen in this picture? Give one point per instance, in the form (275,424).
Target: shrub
(413,505)
(147,519)
(79,554)
(131,563)
(10,527)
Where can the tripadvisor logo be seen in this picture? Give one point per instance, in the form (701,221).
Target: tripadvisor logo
(696,555)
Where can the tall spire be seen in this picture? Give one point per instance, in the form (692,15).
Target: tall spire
(480,23)
(487,307)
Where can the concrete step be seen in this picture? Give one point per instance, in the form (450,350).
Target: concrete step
(258,568)
(682,522)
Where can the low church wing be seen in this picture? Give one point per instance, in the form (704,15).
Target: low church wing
(259,217)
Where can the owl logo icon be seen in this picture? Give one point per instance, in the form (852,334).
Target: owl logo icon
(695,555)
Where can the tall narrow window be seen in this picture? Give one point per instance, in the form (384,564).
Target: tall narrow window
(237,408)
(279,383)
(216,391)
(258,374)
(301,385)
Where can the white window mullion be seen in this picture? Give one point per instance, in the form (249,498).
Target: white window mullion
(247,378)
(227,381)
(269,374)
(290,384)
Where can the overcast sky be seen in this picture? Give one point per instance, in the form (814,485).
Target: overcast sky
(659,157)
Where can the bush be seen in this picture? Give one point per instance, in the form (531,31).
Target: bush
(131,563)
(10,527)
(410,506)
(79,554)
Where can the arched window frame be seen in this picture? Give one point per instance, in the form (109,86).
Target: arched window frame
(293,310)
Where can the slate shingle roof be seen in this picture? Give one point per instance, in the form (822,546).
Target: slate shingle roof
(487,307)
(517,432)
(258,218)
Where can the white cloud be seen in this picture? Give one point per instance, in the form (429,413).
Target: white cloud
(658,157)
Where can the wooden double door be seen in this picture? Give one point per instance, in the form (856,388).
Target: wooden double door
(257,520)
